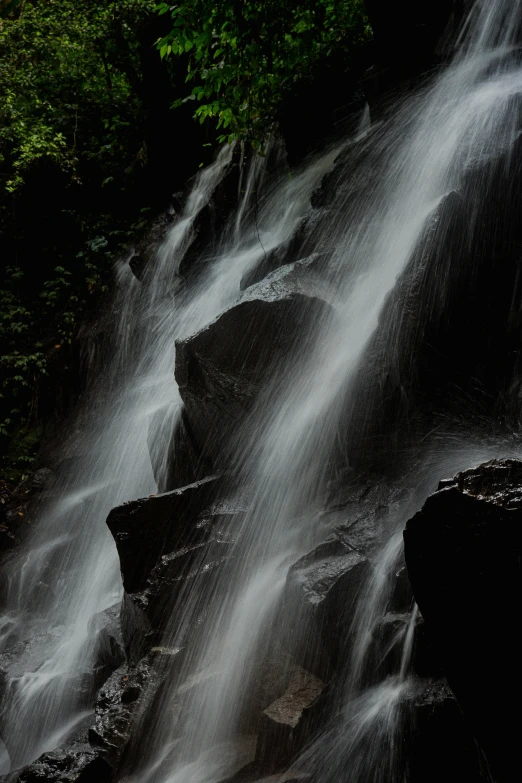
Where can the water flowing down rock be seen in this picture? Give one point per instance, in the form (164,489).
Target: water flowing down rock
(463,553)
(164,542)
(222,370)
(282,369)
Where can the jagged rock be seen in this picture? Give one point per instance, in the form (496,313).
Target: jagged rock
(463,552)
(222,369)
(77,764)
(320,593)
(323,586)
(121,701)
(279,735)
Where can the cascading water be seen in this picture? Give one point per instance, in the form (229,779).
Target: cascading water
(399,175)
(464,119)
(135,401)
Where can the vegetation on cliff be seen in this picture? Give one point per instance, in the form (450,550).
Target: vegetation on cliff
(97,103)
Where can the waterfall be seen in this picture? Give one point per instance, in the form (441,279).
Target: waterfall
(464,118)
(135,395)
(396,177)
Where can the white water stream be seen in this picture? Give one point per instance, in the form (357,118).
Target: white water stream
(69,569)
(134,400)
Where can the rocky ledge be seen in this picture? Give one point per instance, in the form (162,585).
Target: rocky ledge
(463,553)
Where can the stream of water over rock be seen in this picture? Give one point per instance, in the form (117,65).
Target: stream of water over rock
(396,178)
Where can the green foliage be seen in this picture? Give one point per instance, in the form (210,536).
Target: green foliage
(71,117)
(245,55)
(65,83)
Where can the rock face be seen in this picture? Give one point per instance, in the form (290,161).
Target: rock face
(222,369)
(463,552)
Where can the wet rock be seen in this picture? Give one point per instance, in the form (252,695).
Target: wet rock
(222,369)
(180,464)
(164,542)
(319,597)
(145,529)
(109,653)
(463,552)
(77,764)
(300,245)
(209,221)
(28,655)
(138,264)
(281,732)
(120,702)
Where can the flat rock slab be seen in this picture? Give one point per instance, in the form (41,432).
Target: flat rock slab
(279,736)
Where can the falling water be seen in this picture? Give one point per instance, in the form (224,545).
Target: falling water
(464,119)
(69,571)
(399,174)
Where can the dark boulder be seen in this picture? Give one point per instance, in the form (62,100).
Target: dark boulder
(222,369)
(463,552)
